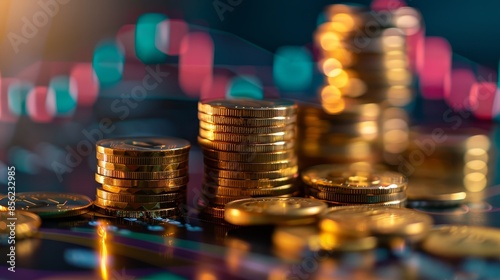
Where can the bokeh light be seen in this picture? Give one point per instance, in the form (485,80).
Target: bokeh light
(461,83)
(17,94)
(195,62)
(61,95)
(435,77)
(5,114)
(481,99)
(215,88)
(108,62)
(245,87)
(169,36)
(146,38)
(36,104)
(86,84)
(293,68)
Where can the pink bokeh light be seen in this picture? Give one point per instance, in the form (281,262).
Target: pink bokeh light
(435,76)
(215,88)
(481,99)
(169,36)
(381,5)
(36,105)
(461,83)
(86,83)
(195,62)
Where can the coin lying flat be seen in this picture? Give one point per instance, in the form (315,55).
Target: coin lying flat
(376,220)
(143,147)
(133,183)
(434,194)
(143,190)
(356,198)
(160,175)
(221,128)
(248,108)
(249,157)
(455,241)
(51,204)
(142,168)
(162,160)
(26,224)
(334,178)
(272,210)
(248,122)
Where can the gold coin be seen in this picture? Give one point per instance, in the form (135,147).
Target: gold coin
(376,220)
(246,147)
(242,192)
(250,184)
(221,200)
(216,212)
(221,128)
(143,147)
(249,157)
(246,138)
(135,198)
(149,214)
(353,180)
(142,175)
(23,223)
(134,206)
(50,204)
(434,193)
(248,108)
(273,210)
(455,241)
(142,160)
(395,203)
(132,183)
(247,122)
(143,190)
(356,198)
(215,173)
(250,167)
(142,168)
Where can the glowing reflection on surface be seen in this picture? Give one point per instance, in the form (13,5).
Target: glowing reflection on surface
(103,248)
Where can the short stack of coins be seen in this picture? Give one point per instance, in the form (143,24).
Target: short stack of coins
(141,177)
(363,56)
(342,185)
(248,148)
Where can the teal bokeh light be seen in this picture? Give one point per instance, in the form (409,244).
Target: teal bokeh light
(60,100)
(245,87)
(145,38)
(293,68)
(17,95)
(108,62)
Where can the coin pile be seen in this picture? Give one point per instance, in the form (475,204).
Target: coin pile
(141,177)
(25,224)
(248,148)
(365,64)
(354,185)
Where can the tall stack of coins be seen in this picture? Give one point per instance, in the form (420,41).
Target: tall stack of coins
(248,148)
(350,185)
(141,177)
(364,59)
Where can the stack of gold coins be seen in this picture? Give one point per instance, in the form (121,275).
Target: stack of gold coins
(364,59)
(248,148)
(141,177)
(354,185)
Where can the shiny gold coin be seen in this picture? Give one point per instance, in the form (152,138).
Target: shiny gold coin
(149,214)
(356,198)
(246,138)
(242,192)
(135,198)
(132,183)
(49,205)
(221,128)
(272,210)
(142,160)
(143,147)
(143,190)
(457,241)
(23,223)
(142,168)
(251,184)
(395,203)
(249,157)
(360,221)
(353,180)
(247,122)
(215,173)
(134,206)
(248,108)
(142,175)
(250,167)
(434,193)
(216,212)
(246,147)
(221,200)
